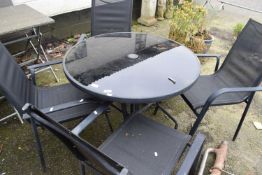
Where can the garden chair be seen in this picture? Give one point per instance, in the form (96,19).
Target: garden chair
(140,146)
(62,103)
(109,16)
(6,3)
(236,81)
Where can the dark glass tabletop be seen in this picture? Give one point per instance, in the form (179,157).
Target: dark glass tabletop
(131,67)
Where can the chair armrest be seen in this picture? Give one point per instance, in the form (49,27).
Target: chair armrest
(89,119)
(105,163)
(49,63)
(63,106)
(216,94)
(192,155)
(67,105)
(33,68)
(217,56)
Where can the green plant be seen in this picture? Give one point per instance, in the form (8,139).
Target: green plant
(187,22)
(71,40)
(237,29)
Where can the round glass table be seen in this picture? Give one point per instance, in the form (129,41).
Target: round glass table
(131,67)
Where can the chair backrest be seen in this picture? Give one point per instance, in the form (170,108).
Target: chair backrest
(111,16)
(5,3)
(243,64)
(14,84)
(81,149)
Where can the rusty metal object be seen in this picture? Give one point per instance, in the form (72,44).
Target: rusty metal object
(221,154)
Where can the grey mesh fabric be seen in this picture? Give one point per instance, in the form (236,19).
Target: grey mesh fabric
(56,95)
(19,90)
(146,147)
(242,68)
(13,82)
(141,145)
(83,150)
(5,3)
(111,16)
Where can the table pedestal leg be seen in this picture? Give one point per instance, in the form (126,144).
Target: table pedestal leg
(124,110)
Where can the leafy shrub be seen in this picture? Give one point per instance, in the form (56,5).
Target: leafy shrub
(188,21)
(237,29)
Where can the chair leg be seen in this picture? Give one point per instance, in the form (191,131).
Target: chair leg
(19,116)
(156,109)
(38,145)
(82,168)
(168,115)
(124,110)
(109,122)
(136,107)
(132,108)
(195,165)
(197,122)
(242,119)
(16,113)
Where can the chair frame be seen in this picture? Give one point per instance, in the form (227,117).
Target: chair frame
(110,166)
(200,115)
(79,127)
(65,105)
(84,36)
(93,17)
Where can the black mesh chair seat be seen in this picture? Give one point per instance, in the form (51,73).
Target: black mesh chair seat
(59,95)
(145,147)
(19,90)
(206,86)
(237,79)
(140,146)
(63,102)
(48,98)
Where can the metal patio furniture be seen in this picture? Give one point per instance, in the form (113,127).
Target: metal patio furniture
(23,19)
(125,67)
(63,102)
(109,16)
(6,3)
(140,146)
(22,23)
(236,81)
